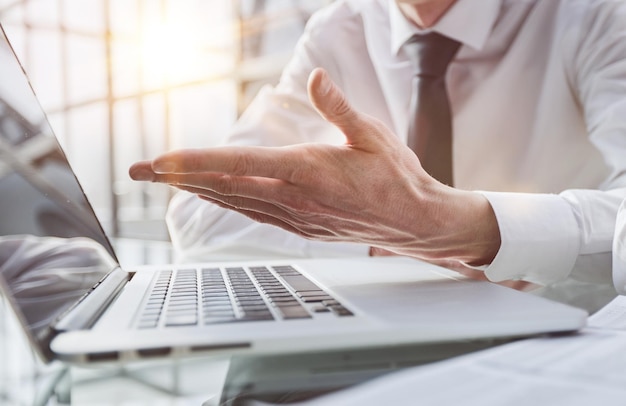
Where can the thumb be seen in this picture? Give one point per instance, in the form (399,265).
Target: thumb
(331,103)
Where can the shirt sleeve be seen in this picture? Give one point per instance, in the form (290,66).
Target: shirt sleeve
(619,251)
(278,116)
(548,238)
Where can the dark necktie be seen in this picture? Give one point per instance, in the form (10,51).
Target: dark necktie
(430,125)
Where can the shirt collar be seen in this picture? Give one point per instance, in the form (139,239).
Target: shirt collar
(467,21)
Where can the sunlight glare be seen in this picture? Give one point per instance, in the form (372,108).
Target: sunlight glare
(170,53)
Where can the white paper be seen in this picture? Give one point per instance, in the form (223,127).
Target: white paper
(611,316)
(580,369)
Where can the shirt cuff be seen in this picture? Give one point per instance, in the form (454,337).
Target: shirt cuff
(540,237)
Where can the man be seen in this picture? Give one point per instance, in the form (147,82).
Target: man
(538,97)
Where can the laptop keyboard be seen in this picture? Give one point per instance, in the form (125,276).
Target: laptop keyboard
(190,297)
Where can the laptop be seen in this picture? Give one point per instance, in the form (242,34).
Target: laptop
(76,304)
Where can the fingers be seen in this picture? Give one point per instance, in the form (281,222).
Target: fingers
(239,203)
(235,187)
(266,162)
(236,161)
(329,100)
(252,214)
(142,171)
(266,196)
(331,103)
(263,212)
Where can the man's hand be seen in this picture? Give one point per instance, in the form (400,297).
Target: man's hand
(371,190)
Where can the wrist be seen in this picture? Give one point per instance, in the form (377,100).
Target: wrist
(481,241)
(463,228)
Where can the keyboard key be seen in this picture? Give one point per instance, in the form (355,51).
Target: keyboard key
(300,283)
(281,300)
(182,320)
(311,293)
(217,305)
(187,308)
(254,307)
(257,317)
(152,311)
(218,319)
(225,313)
(276,291)
(293,312)
(341,311)
(312,299)
(220,297)
(249,302)
(320,309)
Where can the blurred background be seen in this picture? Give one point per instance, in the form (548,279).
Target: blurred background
(124,80)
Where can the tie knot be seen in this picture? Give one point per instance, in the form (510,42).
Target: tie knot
(431,53)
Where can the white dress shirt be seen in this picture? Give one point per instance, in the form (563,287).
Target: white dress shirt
(619,251)
(538,95)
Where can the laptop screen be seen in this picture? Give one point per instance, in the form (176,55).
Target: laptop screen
(52,248)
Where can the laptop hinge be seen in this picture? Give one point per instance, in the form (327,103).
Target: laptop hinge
(87,310)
